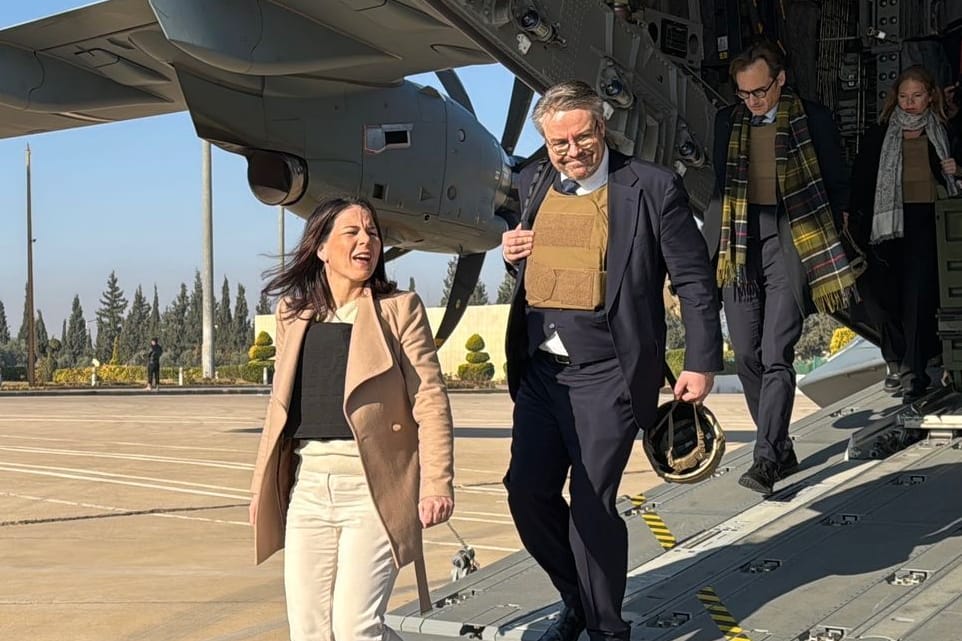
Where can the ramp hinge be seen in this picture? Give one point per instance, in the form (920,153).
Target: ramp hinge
(668,620)
(908,577)
(824,634)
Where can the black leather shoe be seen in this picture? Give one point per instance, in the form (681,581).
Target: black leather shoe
(787,466)
(893,383)
(568,626)
(761,476)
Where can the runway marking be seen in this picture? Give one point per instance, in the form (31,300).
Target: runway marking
(493,548)
(135,444)
(720,615)
(123,476)
(657,526)
(491,521)
(131,418)
(120,511)
(130,457)
(151,486)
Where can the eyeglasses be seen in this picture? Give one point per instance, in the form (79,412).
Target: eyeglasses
(582,142)
(755,93)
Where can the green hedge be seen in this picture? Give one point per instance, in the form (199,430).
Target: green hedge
(477,357)
(261,352)
(125,374)
(676,361)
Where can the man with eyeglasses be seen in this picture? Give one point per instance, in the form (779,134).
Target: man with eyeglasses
(586,346)
(778,167)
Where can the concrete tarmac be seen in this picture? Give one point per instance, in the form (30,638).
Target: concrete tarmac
(124,518)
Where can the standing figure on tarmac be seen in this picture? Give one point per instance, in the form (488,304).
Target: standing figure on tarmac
(153,364)
(778,167)
(894,180)
(356,456)
(586,346)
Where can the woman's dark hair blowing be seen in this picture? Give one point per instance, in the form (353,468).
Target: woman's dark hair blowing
(302,279)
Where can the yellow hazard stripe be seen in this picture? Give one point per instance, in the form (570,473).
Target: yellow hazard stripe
(660,530)
(721,616)
(637,500)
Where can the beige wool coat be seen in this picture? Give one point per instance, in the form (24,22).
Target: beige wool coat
(396,404)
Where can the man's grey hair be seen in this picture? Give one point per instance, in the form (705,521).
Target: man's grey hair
(567,96)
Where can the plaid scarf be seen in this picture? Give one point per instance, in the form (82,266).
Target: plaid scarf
(800,187)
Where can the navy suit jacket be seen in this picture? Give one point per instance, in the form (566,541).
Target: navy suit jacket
(651,233)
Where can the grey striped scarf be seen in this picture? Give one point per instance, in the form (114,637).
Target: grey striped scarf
(888,219)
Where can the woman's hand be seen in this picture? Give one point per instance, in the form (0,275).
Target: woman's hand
(950,167)
(435,509)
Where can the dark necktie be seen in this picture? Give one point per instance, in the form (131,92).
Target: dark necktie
(758,121)
(569,187)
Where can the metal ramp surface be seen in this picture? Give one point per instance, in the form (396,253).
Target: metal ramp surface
(848,549)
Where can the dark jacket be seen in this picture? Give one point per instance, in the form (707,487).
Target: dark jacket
(825,138)
(651,233)
(153,356)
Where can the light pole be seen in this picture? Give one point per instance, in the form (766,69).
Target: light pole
(280,234)
(31,322)
(207,267)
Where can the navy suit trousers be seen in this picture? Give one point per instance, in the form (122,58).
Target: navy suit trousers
(577,419)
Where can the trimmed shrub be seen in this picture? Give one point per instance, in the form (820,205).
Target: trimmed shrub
(476,372)
(14,373)
(474,343)
(477,368)
(263,340)
(261,352)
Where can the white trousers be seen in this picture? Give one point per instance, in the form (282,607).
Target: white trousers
(338,566)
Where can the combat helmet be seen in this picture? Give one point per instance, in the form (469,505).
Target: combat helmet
(685,444)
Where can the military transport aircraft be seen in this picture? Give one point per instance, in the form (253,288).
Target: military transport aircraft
(862,544)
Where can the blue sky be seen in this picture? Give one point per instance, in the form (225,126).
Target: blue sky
(126,197)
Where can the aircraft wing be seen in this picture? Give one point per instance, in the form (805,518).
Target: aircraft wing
(119,59)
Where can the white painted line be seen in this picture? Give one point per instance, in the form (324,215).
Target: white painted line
(130,457)
(111,508)
(493,548)
(152,486)
(122,476)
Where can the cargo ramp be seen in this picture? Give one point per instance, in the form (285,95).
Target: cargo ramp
(862,543)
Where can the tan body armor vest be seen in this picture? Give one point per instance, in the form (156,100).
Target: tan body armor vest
(918,184)
(761,166)
(566,267)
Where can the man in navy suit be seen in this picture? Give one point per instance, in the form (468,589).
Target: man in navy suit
(586,346)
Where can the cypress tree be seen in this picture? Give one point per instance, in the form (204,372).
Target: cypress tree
(194,320)
(4,328)
(42,337)
(75,342)
(173,325)
(478,297)
(153,326)
(110,318)
(133,336)
(224,323)
(243,334)
(505,289)
(263,305)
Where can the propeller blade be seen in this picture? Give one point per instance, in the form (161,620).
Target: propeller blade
(465,280)
(521,95)
(395,252)
(452,85)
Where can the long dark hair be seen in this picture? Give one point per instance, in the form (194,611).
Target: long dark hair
(302,279)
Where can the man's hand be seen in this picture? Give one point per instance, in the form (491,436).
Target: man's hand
(435,509)
(516,244)
(693,387)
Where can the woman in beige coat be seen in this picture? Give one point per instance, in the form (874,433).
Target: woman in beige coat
(356,455)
